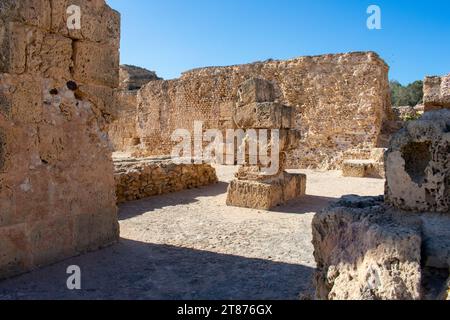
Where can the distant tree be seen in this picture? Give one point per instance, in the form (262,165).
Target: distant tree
(411,95)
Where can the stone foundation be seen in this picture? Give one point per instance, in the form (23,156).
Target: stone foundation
(56,98)
(142,178)
(266,195)
(362,164)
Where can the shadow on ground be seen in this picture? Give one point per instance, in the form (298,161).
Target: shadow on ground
(134,208)
(134,270)
(305,204)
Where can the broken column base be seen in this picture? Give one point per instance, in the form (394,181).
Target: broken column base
(265,195)
(366,250)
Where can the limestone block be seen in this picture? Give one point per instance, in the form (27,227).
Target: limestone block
(265,195)
(263,115)
(21,98)
(99,23)
(103,98)
(14,250)
(365,253)
(417,165)
(356,168)
(436,92)
(28,49)
(96,64)
(32,12)
(255,90)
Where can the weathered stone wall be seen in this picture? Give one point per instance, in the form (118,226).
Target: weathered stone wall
(436,92)
(142,178)
(56,96)
(122,132)
(340,103)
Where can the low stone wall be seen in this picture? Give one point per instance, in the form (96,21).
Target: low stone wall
(146,177)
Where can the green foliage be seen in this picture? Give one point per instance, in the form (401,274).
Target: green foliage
(411,95)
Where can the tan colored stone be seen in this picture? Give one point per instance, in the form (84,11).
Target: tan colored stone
(96,64)
(417,166)
(365,253)
(436,92)
(265,195)
(14,251)
(339,103)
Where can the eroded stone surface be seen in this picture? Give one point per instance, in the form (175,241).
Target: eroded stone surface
(417,164)
(56,174)
(363,252)
(436,92)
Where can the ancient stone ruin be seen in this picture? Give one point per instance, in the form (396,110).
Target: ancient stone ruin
(339,102)
(57,190)
(255,187)
(142,178)
(122,131)
(368,248)
(436,92)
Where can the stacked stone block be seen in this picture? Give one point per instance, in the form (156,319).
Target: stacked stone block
(256,187)
(56,98)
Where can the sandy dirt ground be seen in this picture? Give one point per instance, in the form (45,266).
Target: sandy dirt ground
(190,245)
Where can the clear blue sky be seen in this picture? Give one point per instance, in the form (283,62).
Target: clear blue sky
(172,36)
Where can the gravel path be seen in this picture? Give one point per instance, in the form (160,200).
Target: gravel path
(190,245)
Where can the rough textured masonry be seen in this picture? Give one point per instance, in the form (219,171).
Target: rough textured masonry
(418,164)
(367,249)
(340,102)
(142,178)
(436,92)
(56,95)
(122,132)
(255,187)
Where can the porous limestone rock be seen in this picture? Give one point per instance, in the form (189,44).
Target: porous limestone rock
(57,86)
(364,252)
(366,249)
(436,92)
(146,177)
(418,166)
(362,163)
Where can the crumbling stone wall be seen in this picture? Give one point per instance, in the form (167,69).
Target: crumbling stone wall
(56,97)
(436,92)
(122,131)
(142,178)
(340,103)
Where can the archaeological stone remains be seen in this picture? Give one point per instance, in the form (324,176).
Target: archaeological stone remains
(57,190)
(396,247)
(255,187)
(340,102)
(436,92)
(143,178)
(122,131)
